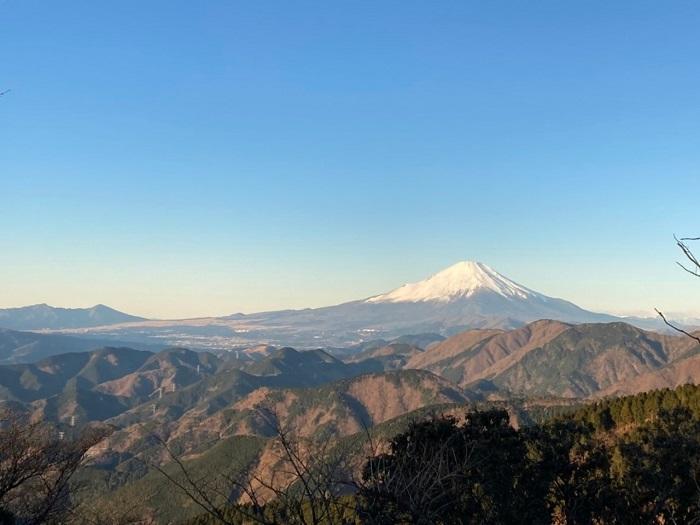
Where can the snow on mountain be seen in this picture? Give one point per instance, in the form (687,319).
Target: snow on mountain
(465,295)
(460,280)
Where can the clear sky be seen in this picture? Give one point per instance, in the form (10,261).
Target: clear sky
(180,158)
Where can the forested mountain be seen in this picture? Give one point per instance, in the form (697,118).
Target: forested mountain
(202,405)
(623,461)
(50,376)
(545,359)
(550,358)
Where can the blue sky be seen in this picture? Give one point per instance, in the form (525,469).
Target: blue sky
(181,158)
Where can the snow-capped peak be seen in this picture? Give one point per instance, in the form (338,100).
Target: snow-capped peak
(460,280)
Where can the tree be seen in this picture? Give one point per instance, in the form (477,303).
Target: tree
(658,469)
(586,467)
(441,472)
(307,486)
(36,468)
(693,269)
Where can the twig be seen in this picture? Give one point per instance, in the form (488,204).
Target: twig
(689,255)
(674,327)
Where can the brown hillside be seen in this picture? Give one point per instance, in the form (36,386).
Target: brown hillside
(450,347)
(480,354)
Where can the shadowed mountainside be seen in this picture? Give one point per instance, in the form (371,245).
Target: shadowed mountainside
(550,358)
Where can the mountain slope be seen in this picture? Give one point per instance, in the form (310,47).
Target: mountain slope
(478,354)
(550,358)
(344,407)
(683,368)
(393,356)
(286,368)
(43,316)
(338,408)
(166,371)
(441,354)
(50,376)
(586,359)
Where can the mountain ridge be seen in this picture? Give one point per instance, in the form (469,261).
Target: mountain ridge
(466,295)
(463,296)
(42,316)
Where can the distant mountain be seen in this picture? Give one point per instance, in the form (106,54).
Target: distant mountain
(43,316)
(465,295)
(420,340)
(288,361)
(472,293)
(460,281)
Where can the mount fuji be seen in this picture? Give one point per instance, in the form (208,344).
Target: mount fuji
(460,281)
(463,296)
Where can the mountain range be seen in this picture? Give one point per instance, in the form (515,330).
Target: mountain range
(554,359)
(203,404)
(465,337)
(466,295)
(43,317)
(543,359)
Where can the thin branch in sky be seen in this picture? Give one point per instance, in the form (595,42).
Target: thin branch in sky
(689,255)
(676,328)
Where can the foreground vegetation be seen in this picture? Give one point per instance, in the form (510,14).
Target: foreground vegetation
(37,464)
(629,460)
(622,461)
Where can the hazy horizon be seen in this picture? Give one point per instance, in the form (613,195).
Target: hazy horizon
(308,155)
(622,313)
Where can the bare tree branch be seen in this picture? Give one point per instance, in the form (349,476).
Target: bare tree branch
(676,328)
(36,468)
(695,271)
(305,487)
(192,489)
(689,255)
